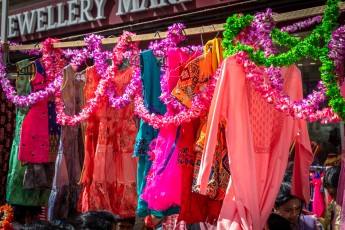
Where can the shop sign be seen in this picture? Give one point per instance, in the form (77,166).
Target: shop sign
(43,19)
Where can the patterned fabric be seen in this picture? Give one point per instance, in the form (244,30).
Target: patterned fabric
(15,193)
(193,79)
(109,173)
(54,131)
(64,196)
(7,126)
(196,207)
(172,223)
(332,216)
(220,171)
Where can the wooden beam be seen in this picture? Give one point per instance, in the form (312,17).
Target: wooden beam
(304,13)
(140,37)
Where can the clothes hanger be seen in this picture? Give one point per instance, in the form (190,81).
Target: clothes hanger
(201,33)
(134,60)
(161,62)
(80,76)
(215,30)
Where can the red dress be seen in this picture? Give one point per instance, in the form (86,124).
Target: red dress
(109,173)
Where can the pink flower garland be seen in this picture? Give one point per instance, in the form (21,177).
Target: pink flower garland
(302,24)
(92,103)
(131,89)
(50,56)
(94,50)
(200,104)
(160,48)
(337,52)
(31,52)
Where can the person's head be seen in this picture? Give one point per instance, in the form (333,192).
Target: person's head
(93,220)
(277,222)
(287,205)
(330,180)
(124,223)
(38,225)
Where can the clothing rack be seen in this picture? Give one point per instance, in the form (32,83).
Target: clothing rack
(293,15)
(318,168)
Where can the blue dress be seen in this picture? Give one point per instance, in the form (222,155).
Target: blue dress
(150,76)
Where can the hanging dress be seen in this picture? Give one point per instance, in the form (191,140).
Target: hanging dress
(258,141)
(196,207)
(15,193)
(34,140)
(150,75)
(39,146)
(64,196)
(165,149)
(109,173)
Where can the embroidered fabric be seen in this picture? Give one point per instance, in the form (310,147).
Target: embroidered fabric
(220,169)
(266,127)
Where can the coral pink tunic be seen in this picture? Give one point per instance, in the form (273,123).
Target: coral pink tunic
(258,140)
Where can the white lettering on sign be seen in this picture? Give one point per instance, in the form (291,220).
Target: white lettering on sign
(42,19)
(132,6)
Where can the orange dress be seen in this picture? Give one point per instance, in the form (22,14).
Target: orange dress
(109,173)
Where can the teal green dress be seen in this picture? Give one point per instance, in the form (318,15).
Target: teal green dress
(15,193)
(150,75)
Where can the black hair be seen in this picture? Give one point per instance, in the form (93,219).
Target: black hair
(94,220)
(331,177)
(287,177)
(63,225)
(277,222)
(284,194)
(38,225)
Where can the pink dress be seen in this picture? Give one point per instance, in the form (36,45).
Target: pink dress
(171,139)
(258,140)
(318,201)
(34,139)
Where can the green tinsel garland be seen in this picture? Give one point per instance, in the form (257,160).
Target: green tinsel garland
(310,46)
